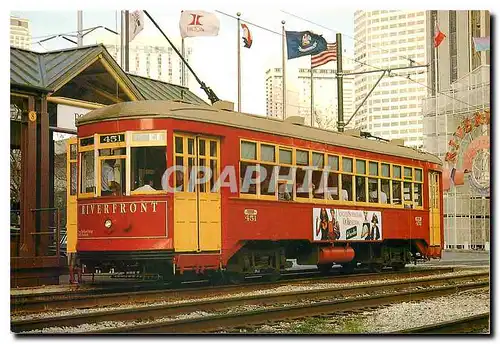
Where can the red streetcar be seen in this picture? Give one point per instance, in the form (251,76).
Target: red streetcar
(168,187)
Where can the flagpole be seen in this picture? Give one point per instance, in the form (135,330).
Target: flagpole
(122,40)
(126,40)
(283,66)
(239,62)
(340,85)
(183,67)
(312,95)
(183,70)
(80,28)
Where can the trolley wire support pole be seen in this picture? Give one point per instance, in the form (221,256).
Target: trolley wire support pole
(340,85)
(283,67)
(210,93)
(80,27)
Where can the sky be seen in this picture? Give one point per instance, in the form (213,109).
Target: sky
(214,59)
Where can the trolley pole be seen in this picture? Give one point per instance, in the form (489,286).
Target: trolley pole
(340,85)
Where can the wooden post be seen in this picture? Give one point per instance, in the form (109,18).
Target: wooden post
(44,177)
(28,183)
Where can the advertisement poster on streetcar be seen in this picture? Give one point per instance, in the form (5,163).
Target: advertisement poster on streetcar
(343,224)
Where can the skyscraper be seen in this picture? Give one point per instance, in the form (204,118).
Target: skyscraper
(20,35)
(390,39)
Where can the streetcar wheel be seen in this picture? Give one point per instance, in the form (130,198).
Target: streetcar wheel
(376,267)
(235,277)
(348,268)
(324,268)
(273,276)
(398,266)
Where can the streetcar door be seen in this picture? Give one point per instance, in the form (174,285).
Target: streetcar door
(434,205)
(197,211)
(71,192)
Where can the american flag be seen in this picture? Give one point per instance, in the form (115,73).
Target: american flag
(330,54)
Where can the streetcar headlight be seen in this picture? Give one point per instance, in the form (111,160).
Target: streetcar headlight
(107,223)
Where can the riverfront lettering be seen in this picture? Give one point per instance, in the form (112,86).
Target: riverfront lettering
(118,208)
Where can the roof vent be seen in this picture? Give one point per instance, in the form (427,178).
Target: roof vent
(297,120)
(224,105)
(397,142)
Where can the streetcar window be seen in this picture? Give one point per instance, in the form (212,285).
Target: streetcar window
(360,166)
(346,187)
(285,183)
(302,183)
(360,189)
(87,175)
(347,164)
(318,184)
(318,160)
(112,176)
(213,149)
(373,168)
(285,156)
(248,150)
(267,153)
(407,194)
(302,157)
(396,172)
(385,170)
(268,185)
(373,190)
(417,194)
(418,175)
(396,192)
(148,164)
(385,191)
(333,162)
(332,192)
(179,148)
(407,171)
(248,177)
(179,173)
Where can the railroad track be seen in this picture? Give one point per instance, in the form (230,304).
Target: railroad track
(471,324)
(388,292)
(106,297)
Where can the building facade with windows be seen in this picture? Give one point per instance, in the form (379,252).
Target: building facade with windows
(390,39)
(299,94)
(152,58)
(20,34)
(463,85)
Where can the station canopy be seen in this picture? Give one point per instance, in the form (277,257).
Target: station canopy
(90,74)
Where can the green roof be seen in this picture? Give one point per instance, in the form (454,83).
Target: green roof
(47,70)
(159,90)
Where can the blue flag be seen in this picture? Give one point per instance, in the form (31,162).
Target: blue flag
(303,43)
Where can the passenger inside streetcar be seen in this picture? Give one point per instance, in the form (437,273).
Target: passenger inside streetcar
(109,186)
(148,184)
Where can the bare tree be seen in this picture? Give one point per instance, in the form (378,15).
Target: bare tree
(323,121)
(15,175)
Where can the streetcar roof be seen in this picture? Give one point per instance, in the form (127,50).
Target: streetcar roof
(210,114)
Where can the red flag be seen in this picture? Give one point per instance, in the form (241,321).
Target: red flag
(438,36)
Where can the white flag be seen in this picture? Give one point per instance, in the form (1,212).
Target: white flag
(135,24)
(198,23)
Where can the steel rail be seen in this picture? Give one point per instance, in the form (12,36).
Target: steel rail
(106,297)
(461,325)
(172,309)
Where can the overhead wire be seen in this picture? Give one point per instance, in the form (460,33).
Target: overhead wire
(383,50)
